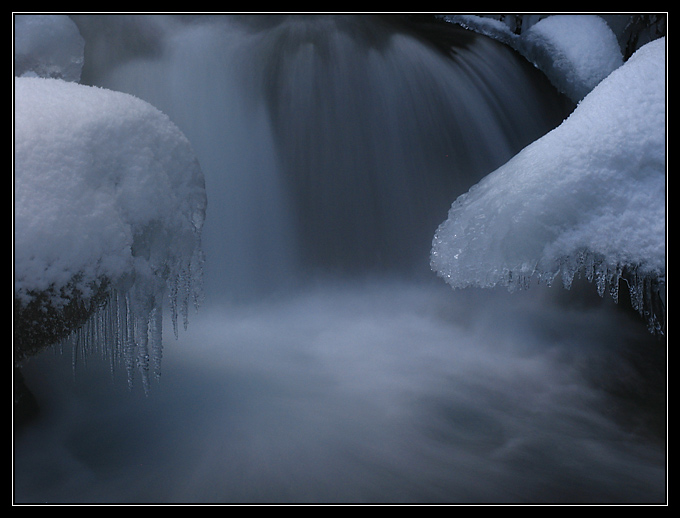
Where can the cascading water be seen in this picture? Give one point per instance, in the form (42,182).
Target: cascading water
(332,147)
(333,142)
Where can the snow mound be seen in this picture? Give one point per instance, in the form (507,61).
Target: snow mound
(47,45)
(590,195)
(107,189)
(576,52)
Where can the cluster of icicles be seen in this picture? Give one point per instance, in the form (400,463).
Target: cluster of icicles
(127,330)
(646,290)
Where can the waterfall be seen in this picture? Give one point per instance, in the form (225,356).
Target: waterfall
(329,143)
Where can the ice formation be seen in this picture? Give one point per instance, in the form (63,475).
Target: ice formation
(107,191)
(575,52)
(47,45)
(589,195)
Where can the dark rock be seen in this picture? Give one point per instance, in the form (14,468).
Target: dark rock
(39,324)
(25,405)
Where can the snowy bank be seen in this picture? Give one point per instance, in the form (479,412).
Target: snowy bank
(575,52)
(588,195)
(108,195)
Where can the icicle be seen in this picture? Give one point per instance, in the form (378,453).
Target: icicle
(156,339)
(174,288)
(129,343)
(184,291)
(74,351)
(143,359)
(196,269)
(568,270)
(590,267)
(601,282)
(112,323)
(614,283)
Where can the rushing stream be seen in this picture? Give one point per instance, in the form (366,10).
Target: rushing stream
(327,362)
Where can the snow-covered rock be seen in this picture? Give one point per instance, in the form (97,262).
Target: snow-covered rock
(588,195)
(575,52)
(47,45)
(107,190)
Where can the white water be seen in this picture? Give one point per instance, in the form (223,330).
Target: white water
(296,383)
(376,392)
(332,143)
